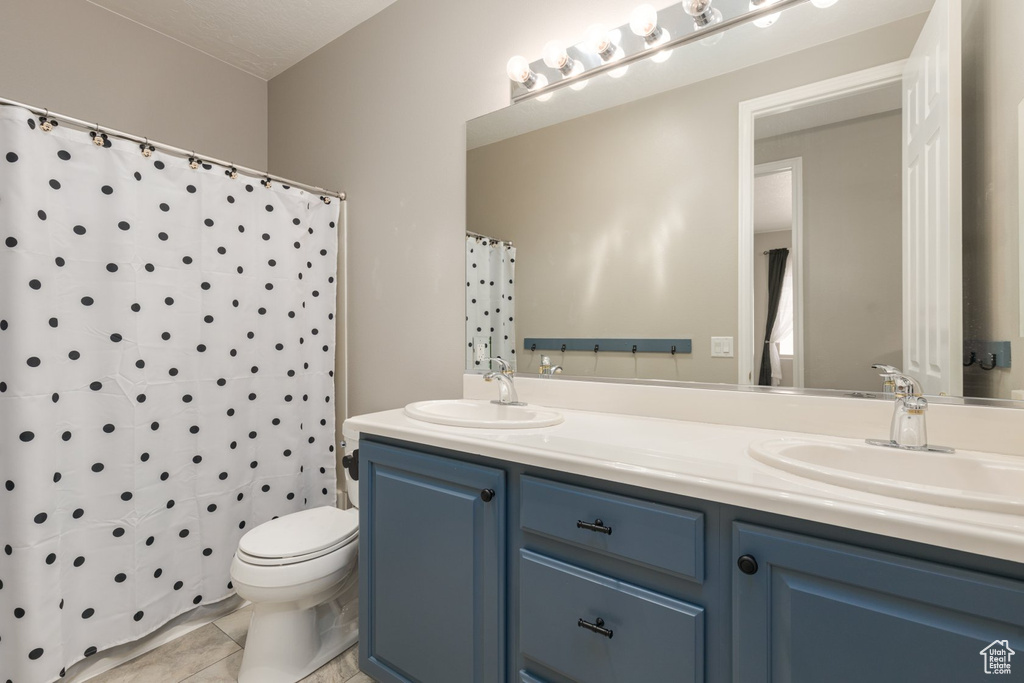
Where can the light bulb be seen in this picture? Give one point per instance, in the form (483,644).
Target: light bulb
(519,71)
(541,81)
(643,21)
(555,54)
(768,20)
(822,4)
(616,56)
(598,41)
(702,12)
(577,69)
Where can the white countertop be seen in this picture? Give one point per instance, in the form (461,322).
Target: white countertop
(709,462)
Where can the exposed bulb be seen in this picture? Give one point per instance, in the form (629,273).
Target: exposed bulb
(767,20)
(577,69)
(702,12)
(519,71)
(822,4)
(643,21)
(541,81)
(555,55)
(598,41)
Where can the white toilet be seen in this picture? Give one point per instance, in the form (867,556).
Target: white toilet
(299,571)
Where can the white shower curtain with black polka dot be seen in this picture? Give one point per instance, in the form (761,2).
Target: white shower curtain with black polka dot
(166,383)
(490,309)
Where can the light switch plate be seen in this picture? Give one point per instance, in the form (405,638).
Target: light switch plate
(721,347)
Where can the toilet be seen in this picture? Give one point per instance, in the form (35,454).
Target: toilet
(299,572)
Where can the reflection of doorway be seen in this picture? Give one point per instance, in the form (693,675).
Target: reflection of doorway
(778,224)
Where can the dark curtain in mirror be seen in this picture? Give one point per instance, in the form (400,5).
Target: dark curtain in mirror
(776,274)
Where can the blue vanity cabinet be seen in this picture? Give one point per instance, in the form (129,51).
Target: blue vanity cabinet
(474,570)
(807,610)
(432,568)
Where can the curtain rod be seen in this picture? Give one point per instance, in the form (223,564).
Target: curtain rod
(470,233)
(177,151)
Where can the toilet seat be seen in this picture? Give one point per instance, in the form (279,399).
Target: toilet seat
(299,537)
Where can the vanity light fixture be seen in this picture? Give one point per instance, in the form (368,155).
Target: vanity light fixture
(767,20)
(650,34)
(600,41)
(556,56)
(822,4)
(519,71)
(644,23)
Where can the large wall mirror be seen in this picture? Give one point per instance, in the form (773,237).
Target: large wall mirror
(781,205)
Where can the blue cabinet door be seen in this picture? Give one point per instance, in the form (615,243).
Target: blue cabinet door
(432,568)
(818,611)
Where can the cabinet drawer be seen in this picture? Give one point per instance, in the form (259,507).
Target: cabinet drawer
(650,534)
(649,636)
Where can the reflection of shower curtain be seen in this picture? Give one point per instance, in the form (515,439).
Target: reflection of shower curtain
(490,311)
(777,259)
(166,352)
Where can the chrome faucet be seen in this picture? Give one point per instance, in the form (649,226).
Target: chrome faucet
(507,395)
(908,429)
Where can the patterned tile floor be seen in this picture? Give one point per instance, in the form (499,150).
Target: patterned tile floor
(213,654)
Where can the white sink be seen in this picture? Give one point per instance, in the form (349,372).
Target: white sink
(972,481)
(482,414)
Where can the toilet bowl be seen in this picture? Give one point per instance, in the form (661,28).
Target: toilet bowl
(299,571)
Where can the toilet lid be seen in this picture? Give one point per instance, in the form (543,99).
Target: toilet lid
(300,534)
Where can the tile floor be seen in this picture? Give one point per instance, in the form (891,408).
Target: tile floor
(213,654)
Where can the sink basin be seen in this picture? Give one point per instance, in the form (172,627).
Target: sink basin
(482,414)
(977,482)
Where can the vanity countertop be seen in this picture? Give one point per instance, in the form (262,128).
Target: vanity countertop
(710,462)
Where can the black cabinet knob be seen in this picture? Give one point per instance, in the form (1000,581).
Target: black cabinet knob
(747,564)
(487,495)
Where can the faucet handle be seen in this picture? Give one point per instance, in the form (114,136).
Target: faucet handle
(906,386)
(503,365)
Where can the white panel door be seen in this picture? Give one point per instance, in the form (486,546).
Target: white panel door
(932,268)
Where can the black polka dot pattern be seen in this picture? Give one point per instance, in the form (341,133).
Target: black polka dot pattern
(166,384)
(490,309)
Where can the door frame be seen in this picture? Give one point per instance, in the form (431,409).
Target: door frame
(750,110)
(795,167)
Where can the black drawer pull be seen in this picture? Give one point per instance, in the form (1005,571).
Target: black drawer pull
(597,526)
(597,627)
(487,495)
(747,564)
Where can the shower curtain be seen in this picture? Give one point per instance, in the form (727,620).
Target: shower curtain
(166,383)
(490,309)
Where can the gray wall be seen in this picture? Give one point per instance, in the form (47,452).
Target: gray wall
(993,87)
(391,98)
(77,59)
(852,247)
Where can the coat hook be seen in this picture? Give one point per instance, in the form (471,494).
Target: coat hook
(634,348)
(533,347)
(563,348)
(673,349)
(990,367)
(972,361)
(596,348)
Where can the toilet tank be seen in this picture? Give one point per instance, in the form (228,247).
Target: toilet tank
(350,444)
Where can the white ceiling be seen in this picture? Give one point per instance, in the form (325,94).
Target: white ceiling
(261,37)
(773,202)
